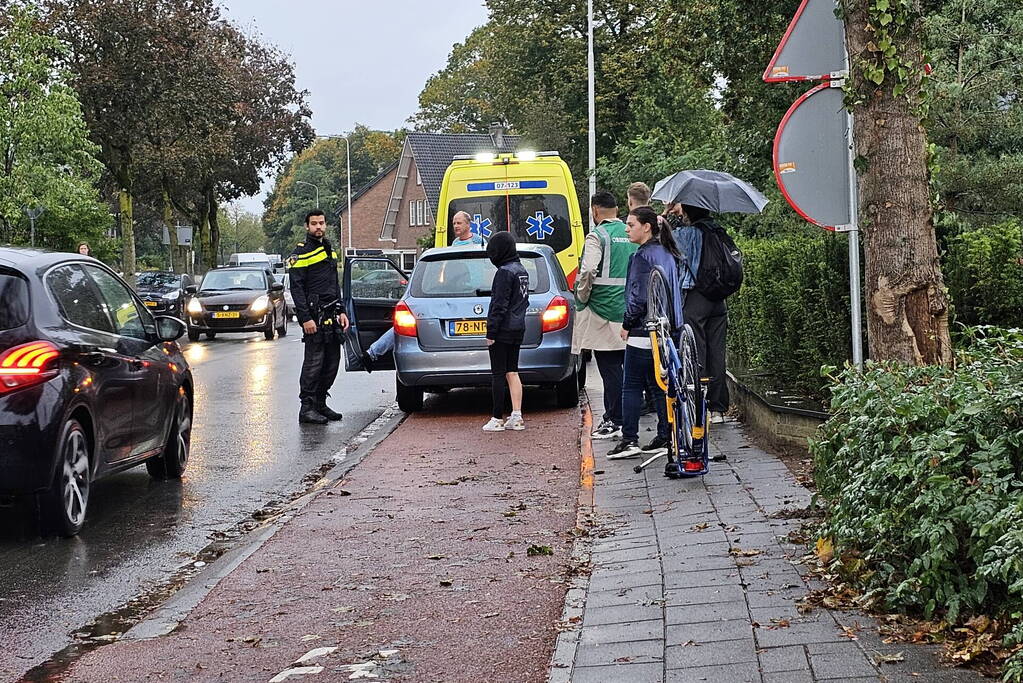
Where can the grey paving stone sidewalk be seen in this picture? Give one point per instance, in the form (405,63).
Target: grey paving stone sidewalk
(694,580)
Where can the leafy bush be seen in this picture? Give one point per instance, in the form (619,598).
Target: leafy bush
(920,472)
(984,274)
(792,314)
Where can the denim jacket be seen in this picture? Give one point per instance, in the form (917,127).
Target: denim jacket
(689,239)
(649,256)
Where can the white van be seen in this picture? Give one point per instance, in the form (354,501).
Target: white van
(253,258)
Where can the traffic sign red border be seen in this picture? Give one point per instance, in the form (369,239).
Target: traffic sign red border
(774,154)
(768,78)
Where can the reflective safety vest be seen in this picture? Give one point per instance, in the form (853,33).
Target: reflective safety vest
(607,298)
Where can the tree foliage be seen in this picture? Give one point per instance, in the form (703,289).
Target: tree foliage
(323,165)
(187,110)
(46,158)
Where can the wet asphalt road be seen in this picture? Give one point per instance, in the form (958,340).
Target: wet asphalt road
(248,451)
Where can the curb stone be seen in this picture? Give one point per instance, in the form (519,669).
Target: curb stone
(563,659)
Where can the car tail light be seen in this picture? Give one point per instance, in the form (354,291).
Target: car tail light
(555,317)
(27,364)
(404,321)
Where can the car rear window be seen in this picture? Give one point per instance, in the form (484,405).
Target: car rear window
(13,301)
(470,274)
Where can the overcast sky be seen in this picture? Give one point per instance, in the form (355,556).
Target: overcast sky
(362,61)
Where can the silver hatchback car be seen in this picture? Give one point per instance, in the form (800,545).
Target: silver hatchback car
(438,317)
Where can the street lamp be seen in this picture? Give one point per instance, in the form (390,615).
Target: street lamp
(348,175)
(33,212)
(315,187)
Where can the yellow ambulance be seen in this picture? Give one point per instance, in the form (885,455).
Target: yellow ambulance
(530,194)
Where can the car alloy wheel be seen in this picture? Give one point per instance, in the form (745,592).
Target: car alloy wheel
(70,495)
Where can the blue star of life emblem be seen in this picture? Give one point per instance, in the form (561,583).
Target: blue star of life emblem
(480,226)
(540,226)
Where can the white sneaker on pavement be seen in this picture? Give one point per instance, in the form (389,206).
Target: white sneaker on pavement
(717,418)
(495,425)
(624,449)
(515,422)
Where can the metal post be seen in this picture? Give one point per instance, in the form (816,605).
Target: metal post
(592,102)
(348,177)
(855,287)
(315,187)
(33,213)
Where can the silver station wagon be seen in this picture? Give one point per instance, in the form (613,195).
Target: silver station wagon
(438,315)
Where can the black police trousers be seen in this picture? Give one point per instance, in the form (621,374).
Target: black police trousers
(319,367)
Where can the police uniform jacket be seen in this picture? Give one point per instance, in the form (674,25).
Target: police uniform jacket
(313,277)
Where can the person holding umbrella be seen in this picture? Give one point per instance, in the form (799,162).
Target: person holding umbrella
(712,269)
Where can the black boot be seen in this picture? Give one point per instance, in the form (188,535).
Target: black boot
(323,409)
(310,415)
(367,362)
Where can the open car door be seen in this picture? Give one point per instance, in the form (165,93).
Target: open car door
(372,287)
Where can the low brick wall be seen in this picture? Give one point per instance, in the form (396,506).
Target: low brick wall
(782,424)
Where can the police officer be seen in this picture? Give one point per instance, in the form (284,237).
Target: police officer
(318,306)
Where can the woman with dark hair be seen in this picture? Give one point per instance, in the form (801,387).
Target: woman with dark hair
(657,250)
(708,317)
(83,249)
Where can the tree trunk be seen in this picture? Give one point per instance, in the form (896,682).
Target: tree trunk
(907,307)
(214,223)
(127,236)
(172,230)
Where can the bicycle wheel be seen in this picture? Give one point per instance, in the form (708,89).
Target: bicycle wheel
(658,320)
(690,396)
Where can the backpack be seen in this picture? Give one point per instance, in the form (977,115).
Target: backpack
(720,273)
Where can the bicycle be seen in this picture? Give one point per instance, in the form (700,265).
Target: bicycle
(676,369)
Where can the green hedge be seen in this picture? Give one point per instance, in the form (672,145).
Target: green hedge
(920,472)
(792,314)
(984,273)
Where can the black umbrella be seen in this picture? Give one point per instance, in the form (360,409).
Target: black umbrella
(715,191)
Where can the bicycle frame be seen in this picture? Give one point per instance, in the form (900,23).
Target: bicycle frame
(688,460)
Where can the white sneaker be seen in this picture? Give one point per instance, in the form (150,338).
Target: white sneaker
(717,418)
(495,425)
(515,422)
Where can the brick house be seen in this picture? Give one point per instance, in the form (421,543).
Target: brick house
(397,208)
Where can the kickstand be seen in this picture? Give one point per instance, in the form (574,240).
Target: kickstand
(646,463)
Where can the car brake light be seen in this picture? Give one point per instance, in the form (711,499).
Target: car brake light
(555,317)
(27,364)
(404,321)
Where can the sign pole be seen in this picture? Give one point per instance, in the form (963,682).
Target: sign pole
(592,133)
(855,287)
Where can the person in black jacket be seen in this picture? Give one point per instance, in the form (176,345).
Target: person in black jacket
(317,295)
(506,326)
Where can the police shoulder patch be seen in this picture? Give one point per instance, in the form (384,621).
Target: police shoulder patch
(293,259)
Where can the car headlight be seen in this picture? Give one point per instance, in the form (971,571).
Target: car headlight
(194,307)
(260,304)
(170,296)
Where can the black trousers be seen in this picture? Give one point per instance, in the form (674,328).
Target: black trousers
(709,320)
(504,358)
(610,365)
(319,368)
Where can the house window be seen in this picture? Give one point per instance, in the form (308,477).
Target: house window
(420,214)
(411,212)
(419,178)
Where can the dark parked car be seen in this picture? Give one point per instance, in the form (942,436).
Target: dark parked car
(90,383)
(163,292)
(237,300)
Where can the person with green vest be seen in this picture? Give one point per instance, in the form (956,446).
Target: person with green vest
(600,305)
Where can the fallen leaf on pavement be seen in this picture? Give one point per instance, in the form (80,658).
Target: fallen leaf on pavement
(825,550)
(535,550)
(880,658)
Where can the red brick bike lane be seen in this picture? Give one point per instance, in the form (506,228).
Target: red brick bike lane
(441,557)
